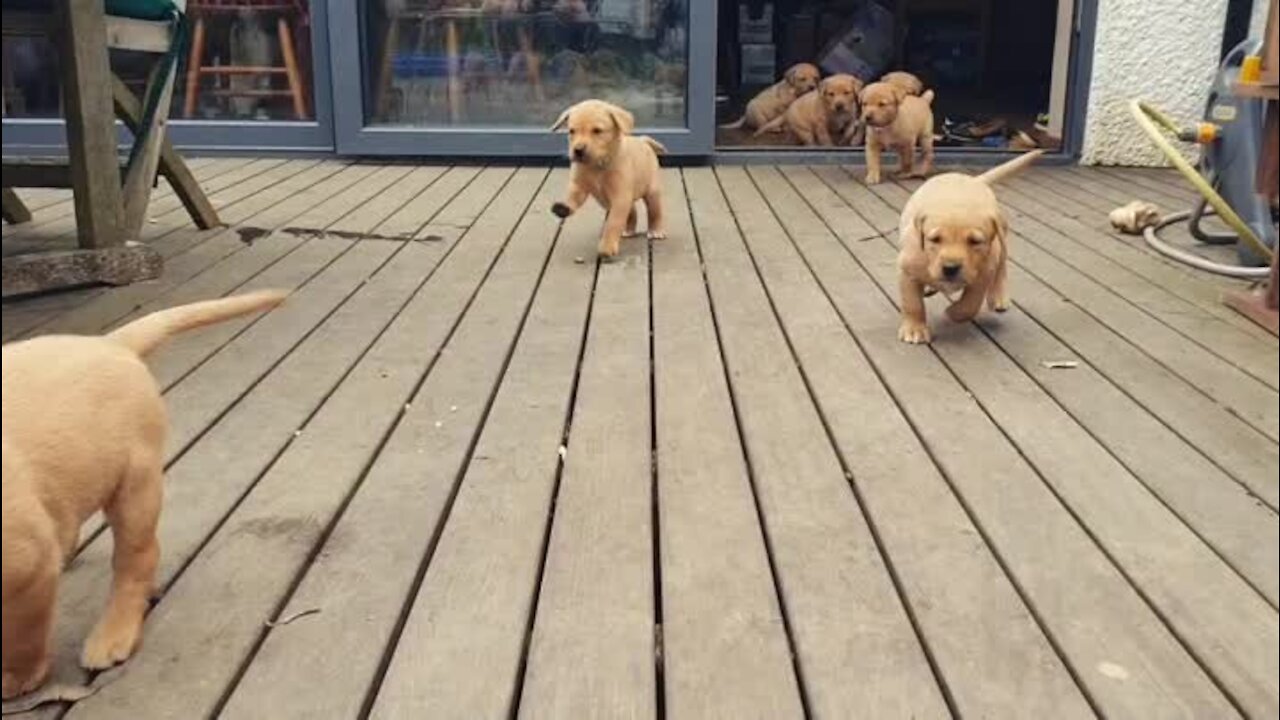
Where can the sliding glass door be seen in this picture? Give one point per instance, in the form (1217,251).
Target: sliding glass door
(488,77)
(253,75)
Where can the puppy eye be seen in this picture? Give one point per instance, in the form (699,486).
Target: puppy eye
(595,131)
(935,240)
(976,241)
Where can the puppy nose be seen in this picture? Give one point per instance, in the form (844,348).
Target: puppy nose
(950,270)
(579,152)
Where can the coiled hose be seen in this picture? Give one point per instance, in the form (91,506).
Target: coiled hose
(1151,120)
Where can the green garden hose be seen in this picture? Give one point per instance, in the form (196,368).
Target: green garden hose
(1151,121)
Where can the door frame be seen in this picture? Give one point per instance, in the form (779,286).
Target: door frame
(354,137)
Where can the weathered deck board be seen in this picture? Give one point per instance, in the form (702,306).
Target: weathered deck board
(1245,396)
(1204,321)
(1085,603)
(769,506)
(245,567)
(1233,631)
(99,316)
(829,569)
(725,650)
(1232,443)
(986,673)
(445,353)
(593,649)
(1084,216)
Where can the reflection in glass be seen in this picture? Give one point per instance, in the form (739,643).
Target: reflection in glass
(245,60)
(519,62)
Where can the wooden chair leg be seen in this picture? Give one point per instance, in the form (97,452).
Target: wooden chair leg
(15,213)
(91,134)
(194,60)
(141,174)
(287,51)
(175,170)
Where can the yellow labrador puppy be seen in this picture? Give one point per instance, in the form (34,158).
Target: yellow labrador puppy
(909,83)
(774,100)
(899,121)
(954,238)
(84,430)
(614,167)
(819,117)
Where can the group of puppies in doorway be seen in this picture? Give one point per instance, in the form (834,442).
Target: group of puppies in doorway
(84,423)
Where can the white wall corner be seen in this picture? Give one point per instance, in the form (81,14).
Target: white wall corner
(1163,52)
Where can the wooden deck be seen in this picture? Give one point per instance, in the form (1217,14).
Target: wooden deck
(472,474)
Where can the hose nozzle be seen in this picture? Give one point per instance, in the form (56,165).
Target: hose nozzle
(1202,133)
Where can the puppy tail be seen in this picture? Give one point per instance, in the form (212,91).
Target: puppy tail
(927,96)
(145,334)
(1014,166)
(658,147)
(735,124)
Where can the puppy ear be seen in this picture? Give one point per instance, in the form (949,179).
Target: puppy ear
(790,74)
(624,120)
(899,92)
(563,119)
(920,229)
(1000,227)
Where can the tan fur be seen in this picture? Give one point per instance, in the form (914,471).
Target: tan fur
(909,83)
(898,121)
(821,116)
(84,430)
(954,238)
(614,167)
(774,100)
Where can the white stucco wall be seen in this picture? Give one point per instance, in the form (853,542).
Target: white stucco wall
(1163,52)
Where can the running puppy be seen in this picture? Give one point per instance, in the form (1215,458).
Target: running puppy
(614,167)
(955,239)
(84,430)
(821,116)
(774,100)
(897,120)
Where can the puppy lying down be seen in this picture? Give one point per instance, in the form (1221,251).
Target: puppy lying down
(84,430)
(954,239)
(774,100)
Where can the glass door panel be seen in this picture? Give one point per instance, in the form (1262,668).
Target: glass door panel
(481,77)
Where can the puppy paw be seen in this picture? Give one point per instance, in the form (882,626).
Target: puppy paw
(631,233)
(110,644)
(1000,304)
(16,683)
(561,210)
(873,179)
(957,315)
(657,235)
(607,249)
(915,333)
